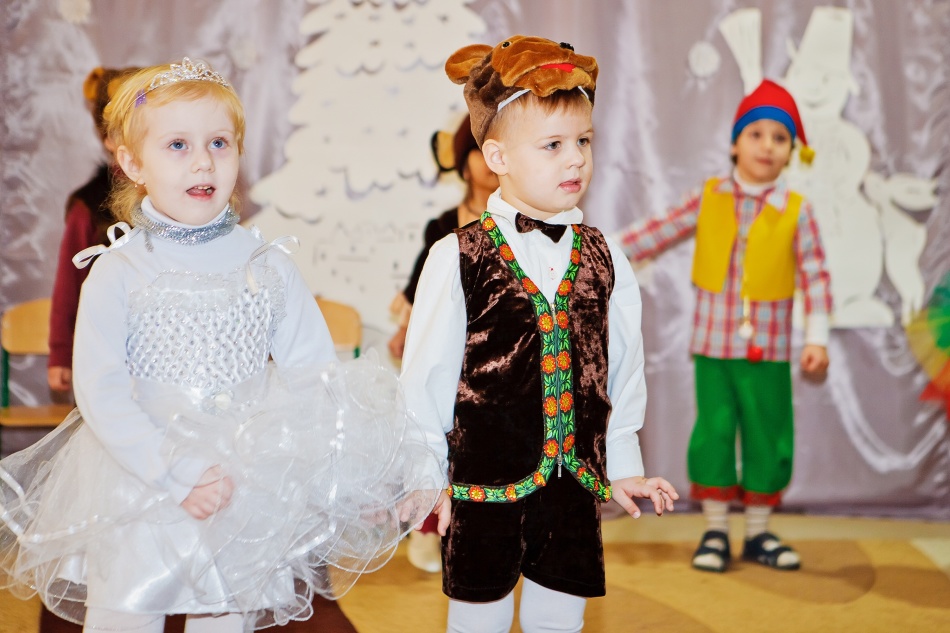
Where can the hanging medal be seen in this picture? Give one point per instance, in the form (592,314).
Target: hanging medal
(754,353)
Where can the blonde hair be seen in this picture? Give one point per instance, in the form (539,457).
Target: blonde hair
(514,112)
(125,123)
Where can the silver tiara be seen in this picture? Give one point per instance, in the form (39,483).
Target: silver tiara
(187,70)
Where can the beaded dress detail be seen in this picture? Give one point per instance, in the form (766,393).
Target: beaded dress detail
(180,313)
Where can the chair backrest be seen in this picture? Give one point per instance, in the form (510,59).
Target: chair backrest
(24,329)
(346,328)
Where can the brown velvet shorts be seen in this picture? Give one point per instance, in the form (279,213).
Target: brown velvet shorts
(552,537)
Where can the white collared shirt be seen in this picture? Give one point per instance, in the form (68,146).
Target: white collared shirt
(435,344)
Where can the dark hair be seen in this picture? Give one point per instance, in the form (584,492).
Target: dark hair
(99,87)
(463,144)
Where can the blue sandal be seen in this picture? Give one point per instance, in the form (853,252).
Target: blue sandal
(755,551)
(722,556)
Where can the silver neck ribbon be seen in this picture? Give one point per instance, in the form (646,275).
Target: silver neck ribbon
(185,235)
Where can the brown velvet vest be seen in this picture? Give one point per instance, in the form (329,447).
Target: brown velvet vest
(499,433)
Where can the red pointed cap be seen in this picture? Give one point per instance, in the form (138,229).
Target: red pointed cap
(769,101)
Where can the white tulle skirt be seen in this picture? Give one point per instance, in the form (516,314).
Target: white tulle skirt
(329,473)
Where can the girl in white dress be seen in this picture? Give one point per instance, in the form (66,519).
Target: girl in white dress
(220,462)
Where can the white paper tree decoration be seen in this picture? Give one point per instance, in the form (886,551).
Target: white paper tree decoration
(359,180)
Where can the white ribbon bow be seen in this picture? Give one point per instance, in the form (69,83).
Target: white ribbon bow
(279,244)
(84,257)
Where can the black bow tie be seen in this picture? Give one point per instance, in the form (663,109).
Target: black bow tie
(524,224)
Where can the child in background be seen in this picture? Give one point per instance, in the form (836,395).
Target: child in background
(87,218)
(480,182)
(509,366)
(754,238)
(196,476)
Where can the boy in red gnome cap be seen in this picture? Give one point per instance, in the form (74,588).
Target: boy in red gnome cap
(524,360)
(754,239)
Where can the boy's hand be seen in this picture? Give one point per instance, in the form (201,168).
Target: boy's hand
(814,362)
(656,489)
(211,494)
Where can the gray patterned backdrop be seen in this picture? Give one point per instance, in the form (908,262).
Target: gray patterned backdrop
(667,91)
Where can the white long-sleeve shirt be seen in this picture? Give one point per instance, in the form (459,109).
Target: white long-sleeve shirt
(435,344)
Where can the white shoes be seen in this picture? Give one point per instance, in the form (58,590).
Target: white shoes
(425,551)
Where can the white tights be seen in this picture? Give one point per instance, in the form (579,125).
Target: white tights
(542,611)
(104,620)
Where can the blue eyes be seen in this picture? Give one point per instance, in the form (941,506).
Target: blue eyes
(218,143)
(581,142)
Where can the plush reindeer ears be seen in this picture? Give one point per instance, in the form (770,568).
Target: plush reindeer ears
(494,76)
(460,63)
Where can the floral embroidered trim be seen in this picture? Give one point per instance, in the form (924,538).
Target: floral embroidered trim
(557,379)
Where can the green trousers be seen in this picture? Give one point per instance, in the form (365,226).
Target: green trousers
(755,400)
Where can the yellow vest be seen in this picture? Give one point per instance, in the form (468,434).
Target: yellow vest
(770,262)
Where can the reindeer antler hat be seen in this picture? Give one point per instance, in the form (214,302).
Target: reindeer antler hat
(494,77)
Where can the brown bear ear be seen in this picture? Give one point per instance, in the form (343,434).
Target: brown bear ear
(460,63)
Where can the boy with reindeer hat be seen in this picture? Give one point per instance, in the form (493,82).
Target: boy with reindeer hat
(509,367)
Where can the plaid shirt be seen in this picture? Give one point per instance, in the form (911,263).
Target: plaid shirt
(718,315)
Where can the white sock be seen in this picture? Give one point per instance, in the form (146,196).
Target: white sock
(225,623)
(544,610)
(481,617)
(757,520)
(99,620)
(717,518)
(717,515)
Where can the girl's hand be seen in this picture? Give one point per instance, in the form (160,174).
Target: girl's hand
(408,509)
(443,508)
(656,489)
(211,494)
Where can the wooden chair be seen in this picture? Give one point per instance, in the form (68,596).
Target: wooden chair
(24,329)
(346,327)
